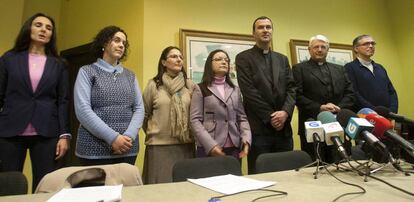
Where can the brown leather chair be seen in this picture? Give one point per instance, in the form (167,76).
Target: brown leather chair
(81,176)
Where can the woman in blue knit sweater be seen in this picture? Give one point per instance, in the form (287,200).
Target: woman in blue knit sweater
(108,104)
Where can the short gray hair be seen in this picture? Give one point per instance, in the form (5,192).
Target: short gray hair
(320,38)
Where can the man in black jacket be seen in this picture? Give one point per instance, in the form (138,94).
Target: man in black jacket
(321,86)
(268,90)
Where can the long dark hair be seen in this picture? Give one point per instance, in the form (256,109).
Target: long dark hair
(23,40)
(161,68)
(208,75)
(104,37)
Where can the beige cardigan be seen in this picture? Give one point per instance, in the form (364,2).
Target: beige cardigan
(113,174)
(157,124)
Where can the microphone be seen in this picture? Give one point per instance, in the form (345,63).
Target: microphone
(314,131)
(365,111)
(360,129)
(383,128)
(385,112)
(334,133)
(326,117)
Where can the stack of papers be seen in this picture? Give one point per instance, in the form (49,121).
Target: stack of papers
(231,184)
(89,194)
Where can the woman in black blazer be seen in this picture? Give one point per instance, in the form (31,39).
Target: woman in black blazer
(33,100)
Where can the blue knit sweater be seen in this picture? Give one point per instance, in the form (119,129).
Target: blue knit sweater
(107,103)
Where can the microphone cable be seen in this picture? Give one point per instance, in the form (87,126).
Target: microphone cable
(381,180)
(278,193)
(347,183)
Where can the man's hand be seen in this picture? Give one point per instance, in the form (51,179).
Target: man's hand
(62,147)
(278,119)
(330,108)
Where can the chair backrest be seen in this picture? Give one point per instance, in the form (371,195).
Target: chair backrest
(280,161)
(205,167)
(80,176)
(12,183)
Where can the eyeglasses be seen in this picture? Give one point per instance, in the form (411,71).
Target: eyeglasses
(373,43)
(221,59)
(176,57)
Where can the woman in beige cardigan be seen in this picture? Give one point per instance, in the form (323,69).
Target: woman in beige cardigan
(167,99)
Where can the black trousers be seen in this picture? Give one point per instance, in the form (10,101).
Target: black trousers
(42,154)
(267,144)
(92,162)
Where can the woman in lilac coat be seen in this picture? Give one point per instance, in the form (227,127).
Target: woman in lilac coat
(218,120)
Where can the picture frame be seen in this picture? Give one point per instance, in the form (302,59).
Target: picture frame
(196,45)
(338,53)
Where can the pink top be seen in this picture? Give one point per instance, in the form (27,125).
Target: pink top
(36,68)
(218,83)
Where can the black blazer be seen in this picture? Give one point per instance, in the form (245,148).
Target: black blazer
(311,94)
(260,97)
(46,108)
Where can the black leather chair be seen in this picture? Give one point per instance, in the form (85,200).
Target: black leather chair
(205,167)
(280,161)
(12,183)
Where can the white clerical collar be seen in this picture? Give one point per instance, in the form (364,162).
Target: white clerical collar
(365,62)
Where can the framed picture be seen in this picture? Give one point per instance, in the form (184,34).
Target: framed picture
(338,53)
(196,45)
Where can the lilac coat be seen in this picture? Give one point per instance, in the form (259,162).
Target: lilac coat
(213,118)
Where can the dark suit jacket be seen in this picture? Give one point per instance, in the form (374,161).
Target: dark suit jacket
(311,91)
(46,108)
(260,97)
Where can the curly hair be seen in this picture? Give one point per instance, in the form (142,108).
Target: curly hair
(104,37)
(23,40)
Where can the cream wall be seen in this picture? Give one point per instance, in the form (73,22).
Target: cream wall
(48,7)
(401,16)
(10,22)
(82,20)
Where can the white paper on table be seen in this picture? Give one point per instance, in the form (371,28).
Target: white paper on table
(230,184)
(89,194)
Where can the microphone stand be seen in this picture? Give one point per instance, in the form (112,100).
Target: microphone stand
(367,166)
(318,162)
